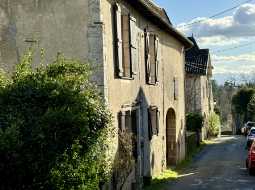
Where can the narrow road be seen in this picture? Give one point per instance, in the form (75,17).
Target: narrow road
(220,166)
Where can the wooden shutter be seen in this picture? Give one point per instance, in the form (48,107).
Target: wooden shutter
(147,55)
(176,92)
(134,134)
(157,122)
(128,122)
(152,59)
(126,45)
(133,44)
(122,121)
(157,57)
(153,120)
(150,132)
(118,30)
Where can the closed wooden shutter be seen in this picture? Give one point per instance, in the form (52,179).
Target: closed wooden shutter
(150,131)
(176,89)
(134,134)
(153,121)
(126,45)
(118,31)
(128,122)
(147,55)
(157,122)
(122,121)
(157,50)
(152,59)
(133,43)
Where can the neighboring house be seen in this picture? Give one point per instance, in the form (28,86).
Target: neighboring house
(198,83)
(139,65)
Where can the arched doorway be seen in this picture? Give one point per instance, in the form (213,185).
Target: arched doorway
(171,148)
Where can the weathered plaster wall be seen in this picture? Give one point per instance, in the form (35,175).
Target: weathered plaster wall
(122,91)
(193,93)
(199,97)
(57,26)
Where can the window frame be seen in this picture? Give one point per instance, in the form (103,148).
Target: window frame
(119,49)
(152,129)
(148,64)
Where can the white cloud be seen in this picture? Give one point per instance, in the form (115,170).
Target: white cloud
(239,64)
(204,42)
(240,24)
(235,58)
(229,31)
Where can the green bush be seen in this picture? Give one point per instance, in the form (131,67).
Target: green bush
(54,128)
(194,122)
(214,124)
(251,109)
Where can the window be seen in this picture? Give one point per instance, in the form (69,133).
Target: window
(128,124)
(125,31)
(176,94)
(152,57)
(153,121)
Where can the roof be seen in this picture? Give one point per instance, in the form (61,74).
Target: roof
(159,17)
(196,59)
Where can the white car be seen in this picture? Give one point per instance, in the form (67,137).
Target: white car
(247,127)
(250,137)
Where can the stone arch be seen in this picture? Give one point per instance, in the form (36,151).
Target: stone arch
(171,146)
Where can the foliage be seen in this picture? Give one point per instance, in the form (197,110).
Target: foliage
(251,109)
(213,124)
(194,121)
(241,100)
(124,162)
(223,95)
(54,128)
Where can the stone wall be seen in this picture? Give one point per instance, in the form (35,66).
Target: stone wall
(122,92)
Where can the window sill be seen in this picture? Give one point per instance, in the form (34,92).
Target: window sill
(127,78)
(153,84)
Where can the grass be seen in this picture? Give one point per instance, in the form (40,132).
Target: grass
(160,182)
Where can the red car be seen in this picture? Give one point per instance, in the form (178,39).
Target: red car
(250,162)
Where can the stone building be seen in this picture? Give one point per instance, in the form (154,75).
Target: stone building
(198,83)
(138,59)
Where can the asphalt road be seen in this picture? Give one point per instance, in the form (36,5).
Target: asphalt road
(220,166)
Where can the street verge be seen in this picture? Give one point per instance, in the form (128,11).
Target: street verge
(172,174)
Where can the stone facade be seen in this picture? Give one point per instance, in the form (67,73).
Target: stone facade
(84,30)
(198,84)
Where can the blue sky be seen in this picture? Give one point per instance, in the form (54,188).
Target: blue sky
(235,28)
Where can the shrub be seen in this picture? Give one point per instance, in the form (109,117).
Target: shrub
(194,121)
(54,128)
(214,124)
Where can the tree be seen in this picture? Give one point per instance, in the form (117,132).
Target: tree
(241,100)
(251,109)
(54,128)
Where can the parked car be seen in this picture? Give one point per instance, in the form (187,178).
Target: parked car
(247,127)
(250,137)
(250,161)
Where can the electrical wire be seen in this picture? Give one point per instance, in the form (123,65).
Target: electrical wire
(215,15)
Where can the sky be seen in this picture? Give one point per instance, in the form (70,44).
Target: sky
(221,34)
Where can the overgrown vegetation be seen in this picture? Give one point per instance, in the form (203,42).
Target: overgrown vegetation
(213,124)
(223,95)
(55,130)
(194,122)
(243,106)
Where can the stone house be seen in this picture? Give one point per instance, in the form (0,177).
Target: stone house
(139,62)
(198,83)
